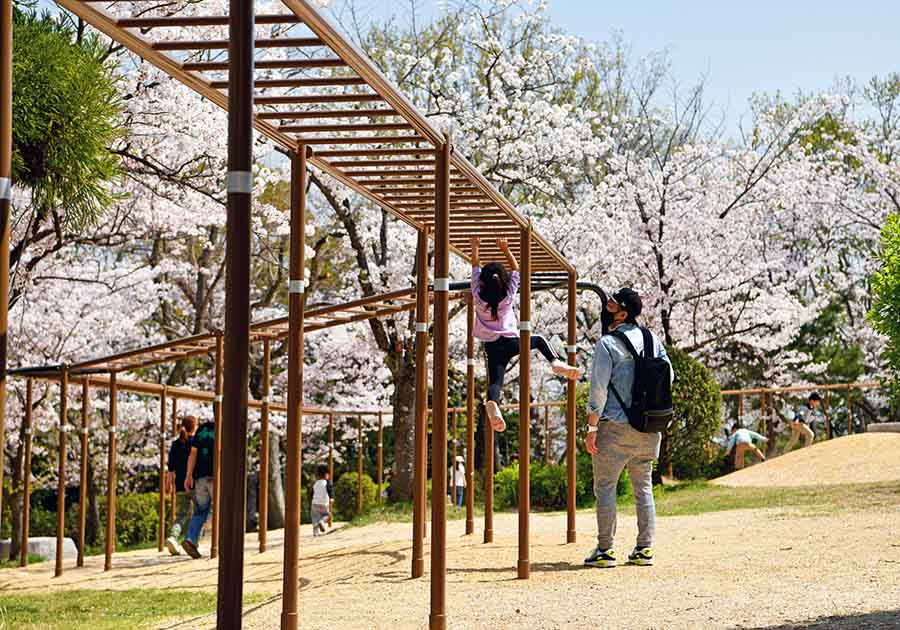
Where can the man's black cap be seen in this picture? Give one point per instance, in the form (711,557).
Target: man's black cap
(630,300)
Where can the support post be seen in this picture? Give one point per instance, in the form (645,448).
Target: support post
(849,411)
(470,415)
(380,453)
(263,526)
(83,475)
(420,443)
(6,79)
(546,436)
(827,416)
(111,478)
(291,587)
(488,483)
(26,474)
(61,475)
(331,447)
(217,458)
(763,412)
(161,530)
(524,564)
(453,454)
(359,464)
(438,613)
(571,395)
(740,410)
(174,497)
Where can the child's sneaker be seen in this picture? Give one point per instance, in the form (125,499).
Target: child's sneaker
(192,550)
(172,546)
(498,424)
(601,558)
(571,372)
(641,556)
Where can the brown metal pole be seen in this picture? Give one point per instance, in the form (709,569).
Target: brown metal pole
(163,416)
(380,452)
(291,587)
(61,475)
(453,460)
(488,483)
(174,496)
(849,412)
(438,614)
(6,79)
(763,411)
(740,410)
(359,464)
(82,490)
(217,458)
(524,565)
(571,395)
(26,473)
(420,446)
(546,436)
(263,526)
(827,416)
(111,480)
(470,415)
(331,447)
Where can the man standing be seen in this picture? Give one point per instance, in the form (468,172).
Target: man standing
(612,442)
(803,417)
(200,480)
(743,439)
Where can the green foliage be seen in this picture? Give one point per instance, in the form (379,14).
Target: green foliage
(885,311)
(345,496)
(66,115)
(697,401)
(548,485)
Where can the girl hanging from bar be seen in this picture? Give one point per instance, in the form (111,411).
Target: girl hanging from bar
(494,290)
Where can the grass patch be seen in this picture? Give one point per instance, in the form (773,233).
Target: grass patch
(104,610)
(403,513)
(693,498)
(14,563)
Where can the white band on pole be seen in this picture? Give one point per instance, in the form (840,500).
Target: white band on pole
(65,428)
(331,445)
(572,349)
(297,286)
(5,188)
(264,400)
(442,284)
(421,327)
(240,182)
(524,325)
(380,444)
(112,430)
(217,398)
(85,431)
(27,431)
(470,362)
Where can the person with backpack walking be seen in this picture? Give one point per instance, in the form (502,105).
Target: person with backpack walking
(199,481)
(804,417)
(630,405)
(179,453)
(494,291)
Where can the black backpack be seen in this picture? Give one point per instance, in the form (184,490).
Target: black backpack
(651,394)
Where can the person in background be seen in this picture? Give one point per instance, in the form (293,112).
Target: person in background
(743,440)
(320,510)
(457,480)
(804,416)
(179,453)
(199,481)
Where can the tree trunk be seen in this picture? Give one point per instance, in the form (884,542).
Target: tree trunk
(403,403)
(276,485)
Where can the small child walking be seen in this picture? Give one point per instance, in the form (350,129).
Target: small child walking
(320,511)
(494,290)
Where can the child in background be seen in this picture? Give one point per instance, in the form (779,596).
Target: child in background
(321,501)
(494,290)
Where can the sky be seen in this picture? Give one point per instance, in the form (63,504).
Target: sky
(739,47)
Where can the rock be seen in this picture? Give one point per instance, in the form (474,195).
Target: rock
(883,427)
(43,546)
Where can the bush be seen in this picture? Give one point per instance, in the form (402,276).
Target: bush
(345,495)
(697,401)
(549,484)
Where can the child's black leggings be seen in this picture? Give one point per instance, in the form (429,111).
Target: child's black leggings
(500,353)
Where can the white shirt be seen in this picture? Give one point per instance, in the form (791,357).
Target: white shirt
(460,475)
(320,493)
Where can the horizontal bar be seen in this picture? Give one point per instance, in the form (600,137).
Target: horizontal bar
(310,99)
(177,21)
(222,44)
(365,140)
(391,173)
(360,127)
(265,64)
(336,113)
(389,163)
(368,152)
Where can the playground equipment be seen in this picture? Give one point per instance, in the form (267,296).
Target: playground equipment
(431,188)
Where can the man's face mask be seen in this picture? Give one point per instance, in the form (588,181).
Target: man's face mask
(606,319)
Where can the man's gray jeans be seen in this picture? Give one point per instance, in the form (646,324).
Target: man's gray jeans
(619,446)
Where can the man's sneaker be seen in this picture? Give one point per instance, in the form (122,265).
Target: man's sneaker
(172,546)
(641,556)
(498,424)
(191,549)
(601,558)
(571,372)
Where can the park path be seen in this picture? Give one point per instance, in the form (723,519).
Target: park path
(770,568)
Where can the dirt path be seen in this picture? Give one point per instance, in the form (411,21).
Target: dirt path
(746,569)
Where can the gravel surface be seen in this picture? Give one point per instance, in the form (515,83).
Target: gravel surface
(861,458)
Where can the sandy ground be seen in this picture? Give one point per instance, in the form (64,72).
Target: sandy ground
(861,458)
(740,569)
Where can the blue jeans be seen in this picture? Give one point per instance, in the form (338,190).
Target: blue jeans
(203,494)
(460,493)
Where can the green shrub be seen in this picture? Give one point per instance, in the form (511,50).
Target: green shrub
(697,401)
(506,487)
(345,495)
(549,485)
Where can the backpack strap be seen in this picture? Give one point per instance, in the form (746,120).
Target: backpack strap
(649,350)
(621,336)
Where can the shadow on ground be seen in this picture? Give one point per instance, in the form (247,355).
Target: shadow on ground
(881,620)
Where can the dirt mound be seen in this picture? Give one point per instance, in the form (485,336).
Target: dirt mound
(862,458)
